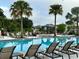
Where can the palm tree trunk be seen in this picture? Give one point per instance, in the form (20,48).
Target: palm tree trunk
(21,22)
(21,27)
(55,30)
(77,25)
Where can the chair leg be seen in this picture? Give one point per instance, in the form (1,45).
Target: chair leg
(35,58)
(23,58)
(17,57)
(29,57)
(68,56)
(52,55)
(43,56)
(62,57)
(77,55)
(52,58)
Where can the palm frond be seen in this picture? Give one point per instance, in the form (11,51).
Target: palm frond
(20,8)
(55,9)
(68,16)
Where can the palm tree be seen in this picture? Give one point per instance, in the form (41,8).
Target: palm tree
(70,22)
(2,21)
(75,12)
(68,16)
(19,9)
(2,18)
(1,13)
(55,9)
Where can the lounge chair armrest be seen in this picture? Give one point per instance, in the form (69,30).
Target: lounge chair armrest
(60,46)
(72,47)
(37,57)
(40,51)
(58,54)
(17,54)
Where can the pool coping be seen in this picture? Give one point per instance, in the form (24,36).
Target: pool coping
(31,38)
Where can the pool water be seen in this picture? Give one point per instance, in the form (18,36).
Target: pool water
(23,44)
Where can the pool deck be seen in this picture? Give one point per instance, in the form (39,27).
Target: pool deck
(64,55)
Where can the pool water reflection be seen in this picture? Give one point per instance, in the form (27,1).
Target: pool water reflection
(23,44)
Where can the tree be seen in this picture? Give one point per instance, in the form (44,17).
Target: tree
(19,9)
(75,12)
(1,13)
(27,24)
(69,22)
(55,9)
(69,16)
(71,19)
(2,18)
(14,26)
(61,28)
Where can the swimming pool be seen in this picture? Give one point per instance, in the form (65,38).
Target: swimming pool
(23,44)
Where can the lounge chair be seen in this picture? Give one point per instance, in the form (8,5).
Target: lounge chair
(50,51)
(75,47)
(65,49)
(32,52)
(6,53)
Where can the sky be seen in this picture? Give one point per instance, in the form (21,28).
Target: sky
(41,10)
